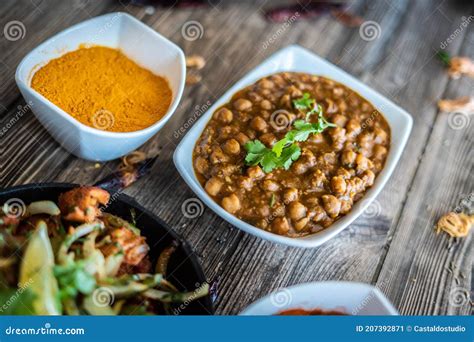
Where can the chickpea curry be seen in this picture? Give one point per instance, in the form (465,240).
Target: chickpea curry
(292,153)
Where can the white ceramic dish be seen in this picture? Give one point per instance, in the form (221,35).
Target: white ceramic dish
(117,30)
(295,58)
(348,297)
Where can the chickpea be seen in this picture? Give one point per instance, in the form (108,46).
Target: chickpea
(264,211)
(224,115)
(355,186)
(266,84)
(346,206)
(353,128)
(285,101)
(270,185)
(365,140)
(296,210)
(254,97)
(301,224)
(318,178)
(290,195)
(316,139)
(262,223)
(332,205)
(242,138)
(255,172)
(246,183)
(213,186)
(268,139)
(201,165)
(225,169)
(318,214)
(342,105)
(381,137)
(300,167)
(338,185)
(368,178)
(218,156)
(380,152)
(294,92)
(265,104)
(344,173)
(363,163)
(339,119)
(258,124)
(231,203)
(242,105)
(280,226)
(232,146)
(338,137)
(348,157)
(338,92)
(226,132)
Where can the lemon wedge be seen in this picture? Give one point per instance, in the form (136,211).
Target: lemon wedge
(36,273)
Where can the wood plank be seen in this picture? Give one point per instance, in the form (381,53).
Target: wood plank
(423,272)
(365,258)
(399,63)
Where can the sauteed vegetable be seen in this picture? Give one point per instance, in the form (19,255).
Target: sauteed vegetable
(74,258)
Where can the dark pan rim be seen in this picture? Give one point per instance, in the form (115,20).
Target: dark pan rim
(130,201)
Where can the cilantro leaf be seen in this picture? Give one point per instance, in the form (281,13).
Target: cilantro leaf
(305,102)
(444,57)
(285,151)
(289,155)
(279,145)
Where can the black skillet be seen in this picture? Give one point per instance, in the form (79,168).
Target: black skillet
(184,269)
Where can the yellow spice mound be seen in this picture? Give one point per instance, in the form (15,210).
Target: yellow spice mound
(102,88)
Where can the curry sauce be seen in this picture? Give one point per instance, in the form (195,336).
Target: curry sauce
(331,172)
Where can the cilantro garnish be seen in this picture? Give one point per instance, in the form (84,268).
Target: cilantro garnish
(444,57)
(286,151)
(305,102)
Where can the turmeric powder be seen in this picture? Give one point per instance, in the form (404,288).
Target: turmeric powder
(104,89)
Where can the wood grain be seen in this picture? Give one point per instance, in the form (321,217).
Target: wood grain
(392,246)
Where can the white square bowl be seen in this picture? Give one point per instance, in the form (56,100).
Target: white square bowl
(138,42)
(356,299)
(295,58)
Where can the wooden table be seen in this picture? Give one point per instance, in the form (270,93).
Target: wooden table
(393,246)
